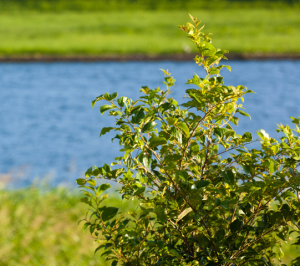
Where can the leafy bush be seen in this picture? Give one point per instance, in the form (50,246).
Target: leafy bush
(205,197)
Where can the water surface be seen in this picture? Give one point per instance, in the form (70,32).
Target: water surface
(48,127)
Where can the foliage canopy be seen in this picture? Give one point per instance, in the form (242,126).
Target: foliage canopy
(205,197)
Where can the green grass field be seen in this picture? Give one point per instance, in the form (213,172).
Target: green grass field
(121,5)
(258,30)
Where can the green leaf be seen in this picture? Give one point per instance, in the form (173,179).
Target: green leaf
(161,244)
(228,67)
(243,113)
(247,135)
(167,106)
(107,253)
(105,107)
(122,100)
(262,134)
(172,121)
(96,171)
(80,181)
(246,168)
(98,248)
(88,194)
(184,213)
(271,167)
(102,188)
(137,119)
(172,158)
(184,128)
(146,159)
(129,162)
(89,172)
(229,177)
(110,97)
(156,141)
(234,120)
(218,202)
(92,182)
(250,252)
(288,194)
(105,130)
(202,183)
(175,133)
(160,213)
(181,175)
(208,49)
(148,127)
(106,168)
(174,252)
(108,237)
(236,225)
(220,131)
(107,96)
(116,172)
(109,213)
(249,91)
(195,149)
(221,52)
(114,95)
(114,263)
(295,120)
(139,191)
(203,240)
(86,201)
(85,226)
(286,211)
(93,103)
(220,234)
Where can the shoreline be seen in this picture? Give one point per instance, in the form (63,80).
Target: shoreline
(139,57)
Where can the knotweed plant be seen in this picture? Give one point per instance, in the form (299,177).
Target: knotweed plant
(205,196)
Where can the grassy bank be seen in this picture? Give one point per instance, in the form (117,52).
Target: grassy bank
(256,30)
(121,5)
(39,227)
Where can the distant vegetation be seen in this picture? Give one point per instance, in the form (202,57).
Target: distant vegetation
(111,5)
(39,227)
(98,27)
(146,32)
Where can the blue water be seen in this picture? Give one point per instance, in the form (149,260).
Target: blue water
(49,129)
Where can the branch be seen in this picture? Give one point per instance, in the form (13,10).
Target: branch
(198,124)
(184,238)
(253,242)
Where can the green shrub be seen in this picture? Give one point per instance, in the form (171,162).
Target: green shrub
(205,197)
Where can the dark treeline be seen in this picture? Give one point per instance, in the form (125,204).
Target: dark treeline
(111,5)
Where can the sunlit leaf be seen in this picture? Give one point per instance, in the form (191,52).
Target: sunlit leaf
(105,107)
(184,128)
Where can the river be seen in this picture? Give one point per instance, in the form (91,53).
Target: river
(48,128)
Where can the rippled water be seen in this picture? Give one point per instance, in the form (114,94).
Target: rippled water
(47,125)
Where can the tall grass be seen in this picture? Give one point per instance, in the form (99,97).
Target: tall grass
(39,226)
